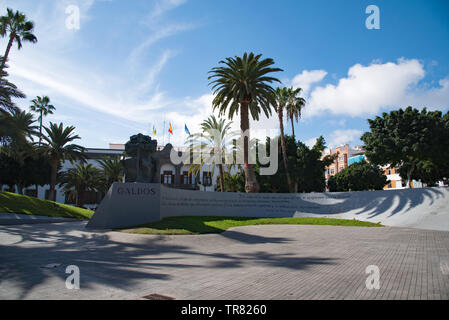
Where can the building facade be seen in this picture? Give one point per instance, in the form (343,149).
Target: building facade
(168,174)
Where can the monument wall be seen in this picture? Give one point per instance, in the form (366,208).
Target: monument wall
(426,208)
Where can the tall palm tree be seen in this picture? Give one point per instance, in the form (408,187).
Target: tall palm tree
(215,135)
(18,28)
(112,170)
(294,106)
(41,106)
(57,147)
(282,97)
(243,85)
(79,180)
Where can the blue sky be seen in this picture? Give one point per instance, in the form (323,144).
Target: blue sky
(132,63)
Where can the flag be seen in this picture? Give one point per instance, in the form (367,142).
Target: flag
(170,129)
(154,130)
(187,130)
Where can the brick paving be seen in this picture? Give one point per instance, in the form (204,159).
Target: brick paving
(254,262)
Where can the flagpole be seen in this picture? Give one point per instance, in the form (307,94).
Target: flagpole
(163,135)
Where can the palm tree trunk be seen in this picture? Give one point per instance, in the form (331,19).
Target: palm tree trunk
(40,130)
(220,168)
(251,185)
(8,48)
(293,127)
(283,147)
(54,172)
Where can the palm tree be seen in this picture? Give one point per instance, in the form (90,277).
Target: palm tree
(57,147)
(294,106)
(41,106)
(112,171)
(17,126)
(215,135)
(243,85)
(19,30)
(8,90)
(282,97)
(79,180)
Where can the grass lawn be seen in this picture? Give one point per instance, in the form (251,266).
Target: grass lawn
(15,203)
(201,225)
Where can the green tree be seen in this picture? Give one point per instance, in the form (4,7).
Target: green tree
(31,169)
(233,182)
(358,177)
(41,106)
(295,105)
(112,170)
(282,97)
(243,85)
(18,28)
(58,147)
(79,180)
(406,139)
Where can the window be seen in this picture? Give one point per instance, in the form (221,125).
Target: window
(186,178)
(167,177)
(207,179)
(389,171)
(332,171)
(389,186)
(70,198)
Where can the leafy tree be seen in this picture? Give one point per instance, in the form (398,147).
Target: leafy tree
(358,177)
(15,25)
(294,106)
(79,180)
(233,182)
(41,106)
(58,147)
(408,139)
(307,168)
(33,169)
(243,85)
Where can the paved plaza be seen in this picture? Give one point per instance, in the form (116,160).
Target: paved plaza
(255,262)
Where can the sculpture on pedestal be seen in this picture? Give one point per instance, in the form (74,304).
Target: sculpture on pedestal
(141,166)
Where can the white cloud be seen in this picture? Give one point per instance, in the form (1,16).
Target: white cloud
(341,137)
(369,90)
(307,78)
(162,6)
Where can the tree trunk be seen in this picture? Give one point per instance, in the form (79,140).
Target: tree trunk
(251,185)
(284,151)
(80,198)
(293,128)
(8,48)
(54,172)
(220,167)
(40,130)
